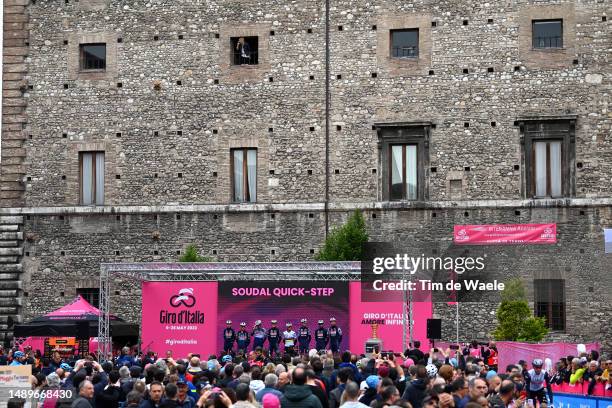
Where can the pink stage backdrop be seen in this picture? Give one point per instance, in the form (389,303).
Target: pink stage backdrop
(511,352)
(505,234)
(388,315)
(179,316)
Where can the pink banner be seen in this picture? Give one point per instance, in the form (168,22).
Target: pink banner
(511,352)
(38,343)
(505,234)
(179,316)
(388,316)
(582,388)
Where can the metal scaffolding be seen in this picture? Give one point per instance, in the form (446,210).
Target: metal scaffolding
(213,271)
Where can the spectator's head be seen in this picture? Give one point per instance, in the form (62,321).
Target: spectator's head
(389,395)
(171,390)
(107,366)
(493,381)
(238,371)
(113,377)
(159,375)
(156,389)
(478,388)
(417,344)
(242,392)
(229,370)
(299,376)
(317,365)
(344,375)
(86,389)
(134,398)
(194,362)
(351,391)
(270,401)
(244,379)
(135,371)
(593,365)
(256,373)
(346,357)
(56,357)
(506,390)
(183,389)
(53,380)
(283,379)
(421,372)
(77,379)
(482,401)
(383,371)
(575,363)
(446,372)
(140,387)
(279,369)
(431,401)
(16,403)
(460,387)
(124,372)
(271,380)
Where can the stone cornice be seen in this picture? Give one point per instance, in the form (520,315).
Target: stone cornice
(305,207)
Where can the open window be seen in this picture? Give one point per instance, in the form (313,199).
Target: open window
(549,154)
(404,152)
(91,178)
(244,175)
(244,50)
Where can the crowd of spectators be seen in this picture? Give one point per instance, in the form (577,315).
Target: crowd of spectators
(458,377)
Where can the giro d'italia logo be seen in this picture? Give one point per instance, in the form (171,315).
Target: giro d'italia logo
(185,297)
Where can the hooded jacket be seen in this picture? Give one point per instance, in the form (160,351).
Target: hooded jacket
(299,396)
(415,392)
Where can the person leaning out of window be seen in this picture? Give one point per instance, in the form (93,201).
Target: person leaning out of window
(243,49)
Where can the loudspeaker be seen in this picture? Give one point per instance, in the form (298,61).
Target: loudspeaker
(82,331)
(434,329)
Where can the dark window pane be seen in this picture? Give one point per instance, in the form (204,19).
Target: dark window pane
(405,43)
(550,302)
(547,33)
(92,295)
(93,56)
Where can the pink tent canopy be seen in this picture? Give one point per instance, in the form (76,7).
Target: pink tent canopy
(78,309)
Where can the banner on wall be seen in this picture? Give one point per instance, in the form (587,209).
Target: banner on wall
(387,319)
(283,301)
(505,234)
(179,316)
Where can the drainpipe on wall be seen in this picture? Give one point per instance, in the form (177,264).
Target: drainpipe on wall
(327,109)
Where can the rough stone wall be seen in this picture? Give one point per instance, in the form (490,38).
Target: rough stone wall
(244,106)
(14,53)
(150,136)
(66,250)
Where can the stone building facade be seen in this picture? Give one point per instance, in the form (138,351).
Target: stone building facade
(474,95)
